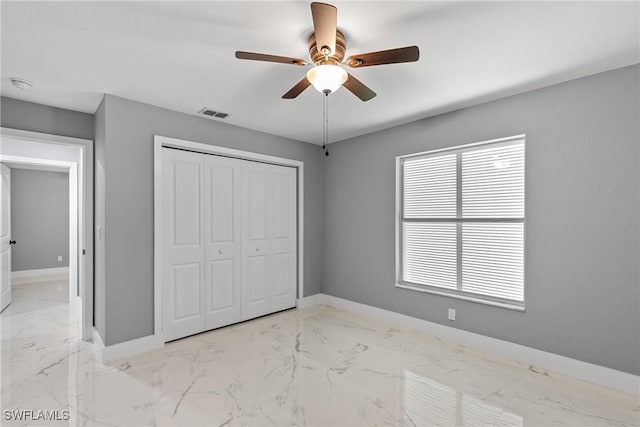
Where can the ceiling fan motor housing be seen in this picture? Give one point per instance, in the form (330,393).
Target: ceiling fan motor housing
(319,58)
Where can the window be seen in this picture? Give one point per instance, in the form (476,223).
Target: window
(461,222)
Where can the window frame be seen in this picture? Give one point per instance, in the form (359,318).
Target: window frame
(457,294)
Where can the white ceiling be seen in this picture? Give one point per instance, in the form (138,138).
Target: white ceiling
(180,55)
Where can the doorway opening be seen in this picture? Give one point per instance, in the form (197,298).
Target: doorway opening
(23,151)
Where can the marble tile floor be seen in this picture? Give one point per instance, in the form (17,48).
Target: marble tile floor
(317,366)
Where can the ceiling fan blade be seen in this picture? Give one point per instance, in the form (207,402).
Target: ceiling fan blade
(358,88)
(325,23)
(297,89)
(269,58)
(381,57)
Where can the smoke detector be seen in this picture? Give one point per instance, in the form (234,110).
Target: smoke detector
(21,84)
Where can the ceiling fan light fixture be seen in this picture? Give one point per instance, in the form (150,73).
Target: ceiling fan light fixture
(327,78)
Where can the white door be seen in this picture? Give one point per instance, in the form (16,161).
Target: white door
(230,248)
(5,237)
(270,242)
(283,238)
(257,280)
(222,241)
(183,245)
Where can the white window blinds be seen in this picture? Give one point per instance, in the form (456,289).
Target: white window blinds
(430,187)
(462,221)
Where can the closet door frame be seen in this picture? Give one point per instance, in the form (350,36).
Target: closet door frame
(162,141)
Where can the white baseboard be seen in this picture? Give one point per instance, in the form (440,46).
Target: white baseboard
(97,341)
(125,349)
(310,300)
(600,375)
(39,275)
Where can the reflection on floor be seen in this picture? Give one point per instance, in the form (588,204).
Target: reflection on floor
(316,366)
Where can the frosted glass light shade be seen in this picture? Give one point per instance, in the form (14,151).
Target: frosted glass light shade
(327,77)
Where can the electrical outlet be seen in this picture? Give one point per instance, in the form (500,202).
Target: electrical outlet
(59,258)
(452,314)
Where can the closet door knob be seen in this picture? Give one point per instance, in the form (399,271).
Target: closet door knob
(257,249)
(220,251)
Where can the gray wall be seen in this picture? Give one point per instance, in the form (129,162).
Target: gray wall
(124,148)
(24,115)
(99,264)
(582,219)
(39,219)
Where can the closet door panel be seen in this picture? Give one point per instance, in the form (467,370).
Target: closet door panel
(257,191)
(256,286)
(222,294)
(186,291)
(186,181)
(222,241)
(281,275)
(257,278)
(183,248)
(284,237)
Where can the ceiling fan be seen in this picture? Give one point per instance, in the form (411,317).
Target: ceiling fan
(327,47)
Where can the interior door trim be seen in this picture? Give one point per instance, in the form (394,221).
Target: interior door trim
(162,141)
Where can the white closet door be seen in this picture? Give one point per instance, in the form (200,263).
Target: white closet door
(222,241)
(256,283)
(229,249)
(283,238)
(269,250)
(183,251)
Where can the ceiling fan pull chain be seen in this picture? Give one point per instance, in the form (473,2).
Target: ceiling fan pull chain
(325,133)
(324,126)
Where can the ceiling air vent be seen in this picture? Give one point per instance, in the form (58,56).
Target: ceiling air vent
(211,113)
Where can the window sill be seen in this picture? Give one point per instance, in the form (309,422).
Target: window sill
(508,306)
